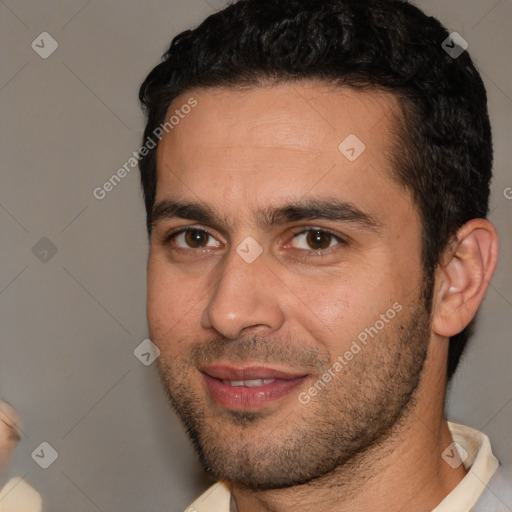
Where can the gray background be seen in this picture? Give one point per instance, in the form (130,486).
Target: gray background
(70,324)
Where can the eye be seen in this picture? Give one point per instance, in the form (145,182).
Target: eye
(316,239)
(193,239)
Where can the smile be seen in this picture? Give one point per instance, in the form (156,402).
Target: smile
(248,388)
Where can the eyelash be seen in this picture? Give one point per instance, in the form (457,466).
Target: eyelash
(316,252)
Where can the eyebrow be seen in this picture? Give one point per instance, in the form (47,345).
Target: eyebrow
(308,209)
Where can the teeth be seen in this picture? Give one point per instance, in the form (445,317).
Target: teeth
(249,383)
(253,383)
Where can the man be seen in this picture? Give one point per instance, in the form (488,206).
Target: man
(316,179)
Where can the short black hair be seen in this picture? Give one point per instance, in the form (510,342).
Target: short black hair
(444,155)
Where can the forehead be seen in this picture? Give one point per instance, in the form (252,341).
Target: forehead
(252,144)
(303,115)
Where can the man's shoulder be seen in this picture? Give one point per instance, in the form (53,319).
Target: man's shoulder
(214,499)
(498,493)
(17,495)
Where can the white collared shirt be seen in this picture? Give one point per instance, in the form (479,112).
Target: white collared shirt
(485,488)
(17,496)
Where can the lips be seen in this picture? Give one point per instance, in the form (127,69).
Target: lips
(226,372)
(249,387)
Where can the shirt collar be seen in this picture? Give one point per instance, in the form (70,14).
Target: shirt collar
(480,463)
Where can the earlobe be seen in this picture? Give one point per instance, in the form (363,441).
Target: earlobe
(464,276)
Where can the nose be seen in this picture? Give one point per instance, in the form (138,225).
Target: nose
(245,297)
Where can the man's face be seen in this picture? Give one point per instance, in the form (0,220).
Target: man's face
(290,319)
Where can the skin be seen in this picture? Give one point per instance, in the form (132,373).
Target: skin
(9,436)
(241,151)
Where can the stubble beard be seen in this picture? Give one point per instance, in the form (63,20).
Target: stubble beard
(359,408)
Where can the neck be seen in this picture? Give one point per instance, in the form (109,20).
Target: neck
(404,468)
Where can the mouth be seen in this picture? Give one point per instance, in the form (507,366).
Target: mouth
(249,387)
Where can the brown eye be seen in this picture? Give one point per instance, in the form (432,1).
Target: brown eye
(316,239)
(319,239)
(193,239)
(196,238)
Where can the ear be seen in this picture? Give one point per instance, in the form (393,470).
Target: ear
(463,276)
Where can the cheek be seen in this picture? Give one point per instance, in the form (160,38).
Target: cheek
(172,301)
(336,310)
